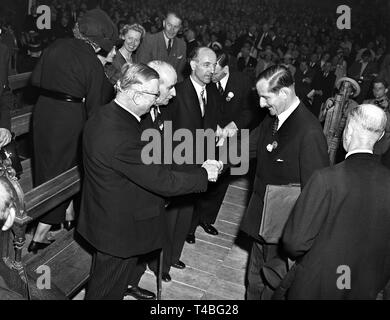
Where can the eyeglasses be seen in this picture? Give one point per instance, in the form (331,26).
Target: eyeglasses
(156,95)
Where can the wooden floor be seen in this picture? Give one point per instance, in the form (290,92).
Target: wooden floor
(216,265)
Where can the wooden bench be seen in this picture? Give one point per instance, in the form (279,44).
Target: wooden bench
(69,263)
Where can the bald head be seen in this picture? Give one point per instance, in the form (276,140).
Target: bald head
(167,82)
(203,64)
(365,126)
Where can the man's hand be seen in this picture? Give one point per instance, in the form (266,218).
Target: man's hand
(5,137)
(220,136)
(231,129)
(213,168)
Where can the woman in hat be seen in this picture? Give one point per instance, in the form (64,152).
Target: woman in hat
(131,35)
(71,81)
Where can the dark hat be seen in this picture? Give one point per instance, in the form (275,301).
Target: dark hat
(97,26)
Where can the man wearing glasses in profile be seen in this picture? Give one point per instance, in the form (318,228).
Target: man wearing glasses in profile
(122,200)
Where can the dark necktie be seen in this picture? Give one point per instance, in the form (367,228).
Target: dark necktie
(220,88)
(169,46)
(275,126)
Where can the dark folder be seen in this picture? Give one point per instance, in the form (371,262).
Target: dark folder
(278,204)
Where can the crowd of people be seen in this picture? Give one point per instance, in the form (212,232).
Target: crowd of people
(108,71)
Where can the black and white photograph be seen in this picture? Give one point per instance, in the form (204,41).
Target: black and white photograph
(194,154)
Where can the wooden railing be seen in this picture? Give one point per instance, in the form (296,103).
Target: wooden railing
(35,202)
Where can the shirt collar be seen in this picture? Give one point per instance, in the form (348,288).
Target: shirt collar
(198,87)
(152,113)
(166,40)
(224,81)
(359,151)
(123,107)
(285,114)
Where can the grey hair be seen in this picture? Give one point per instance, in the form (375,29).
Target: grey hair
(135,73)
(161,66)
(369,117)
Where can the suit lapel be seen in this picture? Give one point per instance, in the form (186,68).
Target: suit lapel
(162,47)
(192,99)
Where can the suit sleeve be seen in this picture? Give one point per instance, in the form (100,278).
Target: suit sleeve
(313,154)
(155,178)
(307,217)
(144,53)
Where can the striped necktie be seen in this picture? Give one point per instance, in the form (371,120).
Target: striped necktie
(203,97)
(275,126)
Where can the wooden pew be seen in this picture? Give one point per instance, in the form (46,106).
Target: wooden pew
(68,261)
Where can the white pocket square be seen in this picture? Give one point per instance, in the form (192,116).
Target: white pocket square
(279,160)
(180,57)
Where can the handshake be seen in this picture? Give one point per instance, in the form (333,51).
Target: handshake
(221,134)
(213,168)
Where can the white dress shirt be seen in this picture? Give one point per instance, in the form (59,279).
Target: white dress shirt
(285,114)
(224,81)
(358,151)
(199,89)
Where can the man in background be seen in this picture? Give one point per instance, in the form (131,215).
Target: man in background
(165,45)
(341,220)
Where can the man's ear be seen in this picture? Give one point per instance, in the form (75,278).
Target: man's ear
(226,69)
(284,91)
(386,90)
(193,65)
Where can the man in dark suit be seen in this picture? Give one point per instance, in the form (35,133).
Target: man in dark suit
(364,71)
(338,232)
(165,45)
(264,39)
(289,146)
(246,62)
(155,119)
(122,204)
(234,113)
(323,86)
(194,108)
(303,81)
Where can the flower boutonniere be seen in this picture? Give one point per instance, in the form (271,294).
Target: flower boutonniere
(229,96)
(272,146)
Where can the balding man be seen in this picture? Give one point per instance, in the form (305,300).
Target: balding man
(165,45)
(122,203)
(193,108)
(339,229)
